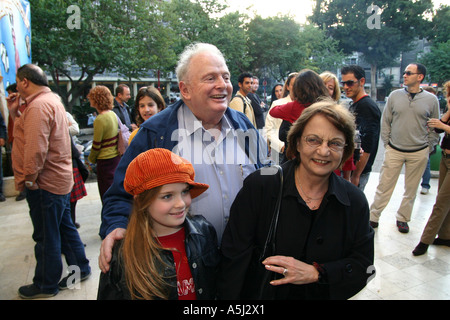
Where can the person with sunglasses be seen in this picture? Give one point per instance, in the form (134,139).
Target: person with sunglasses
(368,115)
(324,245)
(408,141)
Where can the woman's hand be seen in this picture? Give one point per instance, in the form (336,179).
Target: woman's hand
(437,124)
(294,271)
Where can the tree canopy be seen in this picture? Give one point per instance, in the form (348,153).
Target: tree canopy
(98,36)
(134,36)
(380,30)
(131,37)
(437,60)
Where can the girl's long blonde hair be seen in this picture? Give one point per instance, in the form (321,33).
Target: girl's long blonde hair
(141,252)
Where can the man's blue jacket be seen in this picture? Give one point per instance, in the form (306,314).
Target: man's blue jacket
(156,132)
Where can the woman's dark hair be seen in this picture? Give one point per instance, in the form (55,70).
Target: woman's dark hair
(309,87)
(274,96)
(288,82)
(152,93)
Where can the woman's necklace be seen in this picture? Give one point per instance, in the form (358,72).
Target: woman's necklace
(309,199)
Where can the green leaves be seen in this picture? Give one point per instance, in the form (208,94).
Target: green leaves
(279,46)
(401,22)
(132,37)
(437,62)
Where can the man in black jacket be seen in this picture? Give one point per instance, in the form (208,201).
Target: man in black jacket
(257,104)
(122,110)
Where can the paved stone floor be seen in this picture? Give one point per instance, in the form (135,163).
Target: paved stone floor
(400,275)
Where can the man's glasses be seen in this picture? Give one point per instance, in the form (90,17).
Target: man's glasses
(349,83)
(314,141)
(408,73)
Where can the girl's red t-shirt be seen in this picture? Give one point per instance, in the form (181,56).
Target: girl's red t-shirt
(185,281)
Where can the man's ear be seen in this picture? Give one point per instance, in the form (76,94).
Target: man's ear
(423,77)
(184,90)
(362,81)
(25,82)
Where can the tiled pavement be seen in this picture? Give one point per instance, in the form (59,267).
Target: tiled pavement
(400,275)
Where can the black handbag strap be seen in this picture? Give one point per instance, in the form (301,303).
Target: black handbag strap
(270,240)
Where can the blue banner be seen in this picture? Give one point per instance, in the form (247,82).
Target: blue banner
(15,38)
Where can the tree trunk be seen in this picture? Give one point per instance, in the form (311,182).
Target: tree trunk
(78,88)
(373,81)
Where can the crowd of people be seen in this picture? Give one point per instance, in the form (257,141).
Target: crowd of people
(222,197)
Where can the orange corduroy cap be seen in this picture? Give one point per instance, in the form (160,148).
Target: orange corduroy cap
(157,167)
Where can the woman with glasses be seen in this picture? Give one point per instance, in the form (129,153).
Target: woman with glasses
(323,243)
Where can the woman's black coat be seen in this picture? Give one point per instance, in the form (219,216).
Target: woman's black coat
(336,236)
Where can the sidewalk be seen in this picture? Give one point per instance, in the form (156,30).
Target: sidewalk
(400,275)
(17,260)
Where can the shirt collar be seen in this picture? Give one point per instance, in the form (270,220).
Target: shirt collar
(192,124)
(123,106)
(335,186)
(33,96)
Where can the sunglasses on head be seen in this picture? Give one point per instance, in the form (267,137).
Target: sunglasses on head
(349,83)
(408,73)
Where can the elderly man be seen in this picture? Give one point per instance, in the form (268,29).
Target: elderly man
(42,164)
(220,142)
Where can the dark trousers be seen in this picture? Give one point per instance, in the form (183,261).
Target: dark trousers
(105,174)
(54,234)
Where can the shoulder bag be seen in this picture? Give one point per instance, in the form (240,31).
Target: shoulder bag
(123,136)
(257,286)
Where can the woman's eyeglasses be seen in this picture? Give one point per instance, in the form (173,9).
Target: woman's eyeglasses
(315,142)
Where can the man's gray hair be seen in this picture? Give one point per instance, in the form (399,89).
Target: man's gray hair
(189,52)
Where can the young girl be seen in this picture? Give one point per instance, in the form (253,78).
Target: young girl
(148,103)
(166,253)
